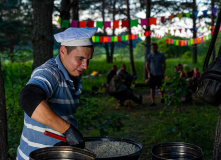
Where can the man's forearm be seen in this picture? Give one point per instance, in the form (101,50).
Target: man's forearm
(44,114)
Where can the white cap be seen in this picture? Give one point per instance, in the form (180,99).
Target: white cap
(76,36)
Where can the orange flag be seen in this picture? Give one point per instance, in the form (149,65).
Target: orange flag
(152,20)
(82,24)
(115,24)
(171,17)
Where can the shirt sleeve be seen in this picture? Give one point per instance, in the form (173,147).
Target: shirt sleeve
(46,78)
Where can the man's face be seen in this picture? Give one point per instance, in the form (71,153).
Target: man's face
(77,60)
(154,48)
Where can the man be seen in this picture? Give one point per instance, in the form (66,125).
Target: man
(111,73)
(155,67)
(51,96)
(125,76)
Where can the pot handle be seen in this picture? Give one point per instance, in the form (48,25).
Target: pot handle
(53,135)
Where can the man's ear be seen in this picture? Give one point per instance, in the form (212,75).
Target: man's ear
(63,51)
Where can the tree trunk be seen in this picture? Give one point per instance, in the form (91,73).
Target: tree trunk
(42,36)
(112,43)
(75,8)
(194,47)
(217,143)
(132,67)
(105,33)
(3,121)
(147,40)
(65,11)
(212,23)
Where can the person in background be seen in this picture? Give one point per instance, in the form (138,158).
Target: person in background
(51,96)
(196,73)
(156,67)
(121,92)
(179,68)
(111,73)
(125,76)
(188,71)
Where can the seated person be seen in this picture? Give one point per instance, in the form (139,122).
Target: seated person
(120,91)
(196,73)
(186,72)
(111,73)
(125,76)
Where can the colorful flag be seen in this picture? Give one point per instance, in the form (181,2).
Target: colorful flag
(125,23)
(133,23)
(171,17)
(144,22)
(82,24)
(214,11)
(152,20)
(180,15)
(93,39)
(59,20)
(187,15)
(204,13)
(105,39)
(90,24)
(115,24)
(195,13)
(74,24)
(107,24)
(99,24)
(65,24)
(162,19)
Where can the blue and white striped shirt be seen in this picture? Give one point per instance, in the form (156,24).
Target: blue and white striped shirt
(63,98)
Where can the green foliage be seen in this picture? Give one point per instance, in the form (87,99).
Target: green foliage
(176,90)
(123,54)
(172,50)
(15,77)
(90,116)
(139,51)
(187,55)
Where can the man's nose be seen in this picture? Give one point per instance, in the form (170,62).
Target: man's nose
(84,64)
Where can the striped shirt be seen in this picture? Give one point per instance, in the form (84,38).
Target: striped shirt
(63,98)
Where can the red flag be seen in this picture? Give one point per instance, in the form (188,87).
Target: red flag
(125,23)
(90,24)
(162,19)
(82,24)
(152,20)
(115,24)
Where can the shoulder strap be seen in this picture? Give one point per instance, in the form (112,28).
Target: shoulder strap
(213,40)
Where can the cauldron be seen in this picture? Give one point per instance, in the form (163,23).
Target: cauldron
(176,150)
(61,152)
(134,156)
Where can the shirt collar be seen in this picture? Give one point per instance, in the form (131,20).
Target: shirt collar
(61,67)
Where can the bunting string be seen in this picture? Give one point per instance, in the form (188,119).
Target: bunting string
(128,23)
(189,42)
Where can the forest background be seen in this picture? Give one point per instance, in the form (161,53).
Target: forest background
(26,43)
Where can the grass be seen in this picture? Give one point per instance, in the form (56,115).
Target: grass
(193,123)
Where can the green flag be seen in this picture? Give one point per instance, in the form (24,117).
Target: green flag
(133,23)
(65,24)
(99,24)
(187,15)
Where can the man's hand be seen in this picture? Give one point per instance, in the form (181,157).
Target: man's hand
(74,137)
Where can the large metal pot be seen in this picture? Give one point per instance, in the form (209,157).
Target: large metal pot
(176,150)
(61,152)
(134,156)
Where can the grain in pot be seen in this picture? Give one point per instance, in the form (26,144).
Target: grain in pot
(107,149)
